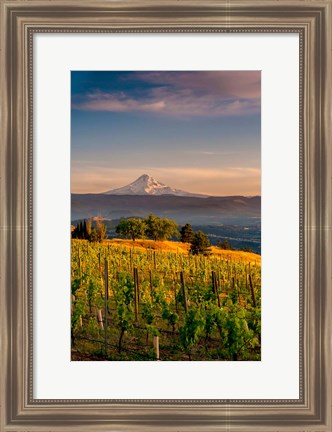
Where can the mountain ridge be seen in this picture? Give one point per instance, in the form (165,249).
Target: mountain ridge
(181,209)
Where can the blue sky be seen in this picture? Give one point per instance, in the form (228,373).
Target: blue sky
(197,131)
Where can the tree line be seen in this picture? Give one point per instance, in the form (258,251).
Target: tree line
(152,227)
(86,231)
(157,228)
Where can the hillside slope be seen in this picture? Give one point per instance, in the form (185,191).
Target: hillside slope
(179,247)
(186,209)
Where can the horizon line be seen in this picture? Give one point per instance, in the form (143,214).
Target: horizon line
(161,195)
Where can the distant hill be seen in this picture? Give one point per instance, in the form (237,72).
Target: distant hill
(183,209)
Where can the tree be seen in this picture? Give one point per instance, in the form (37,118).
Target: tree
(100,230)
(80,232)
(93,236)
(200,244)
(152,226)
(123,228)
(247,249)
(132,228)
(224,244)
(85,233)
(74,232)
(187,233)
(84,230)
(88,228)
(168,229)
(161,228)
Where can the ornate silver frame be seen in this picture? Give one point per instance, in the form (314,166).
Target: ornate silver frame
(20,21)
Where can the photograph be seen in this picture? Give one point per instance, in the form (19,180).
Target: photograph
(165,215)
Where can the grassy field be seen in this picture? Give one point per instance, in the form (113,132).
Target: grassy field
(148,300)
(178,247)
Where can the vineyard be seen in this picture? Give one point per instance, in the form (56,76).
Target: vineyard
(134,301)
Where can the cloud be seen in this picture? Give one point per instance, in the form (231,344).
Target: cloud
(220,182)
(214,153)
(117,102)
(212,174)
(205,153)
(226,84)
(187,94)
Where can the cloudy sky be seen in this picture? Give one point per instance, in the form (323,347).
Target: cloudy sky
(197,131)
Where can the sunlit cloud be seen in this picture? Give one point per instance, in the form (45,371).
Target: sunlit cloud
(213,153)
(188,94)
(226,84)
(170,104)
(101,101)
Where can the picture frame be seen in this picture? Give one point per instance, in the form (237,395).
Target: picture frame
(20,21)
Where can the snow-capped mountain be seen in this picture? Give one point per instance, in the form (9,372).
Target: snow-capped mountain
(147,185)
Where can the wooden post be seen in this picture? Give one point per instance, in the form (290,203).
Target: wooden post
(106,302)
(175,299)
(151,284)
(252,291)
(136,293)
(215,287)
(156,346)
(183,284)
(234,288)
(154,260)
(73,298)
(137,283)
(100,319)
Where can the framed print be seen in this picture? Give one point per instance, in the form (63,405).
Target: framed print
(166,215)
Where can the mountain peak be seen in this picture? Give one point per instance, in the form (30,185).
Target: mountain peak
(143,177)
(147,185)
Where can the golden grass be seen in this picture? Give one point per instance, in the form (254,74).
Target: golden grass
(179,247)
(237,255)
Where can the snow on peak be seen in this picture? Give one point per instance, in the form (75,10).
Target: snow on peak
(147,185)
